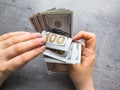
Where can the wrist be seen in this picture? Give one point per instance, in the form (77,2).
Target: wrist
(86,85)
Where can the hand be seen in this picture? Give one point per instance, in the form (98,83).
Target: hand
(17,49)
(81,74)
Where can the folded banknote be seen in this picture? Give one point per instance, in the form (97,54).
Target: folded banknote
(73,56)
(57,41)
(70,56)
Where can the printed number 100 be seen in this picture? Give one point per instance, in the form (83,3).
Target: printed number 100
(55,38)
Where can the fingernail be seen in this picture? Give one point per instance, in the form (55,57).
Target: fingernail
(42,40)
(43,48)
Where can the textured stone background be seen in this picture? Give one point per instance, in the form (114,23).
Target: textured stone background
(101,17)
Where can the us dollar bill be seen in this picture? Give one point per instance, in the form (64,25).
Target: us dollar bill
(57,41)
(56,26)
(70,56)
(54,20)
(59,19)
(73,56)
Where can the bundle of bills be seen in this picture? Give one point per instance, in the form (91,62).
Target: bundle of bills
(67,51)
(54,20)
(56,27)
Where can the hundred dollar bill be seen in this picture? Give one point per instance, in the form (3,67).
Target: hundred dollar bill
(56,41)
(52,60)
(59,19)
(54,20)
(73,56)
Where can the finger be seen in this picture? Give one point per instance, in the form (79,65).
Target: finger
(90,38)
(23,47)
(19,61)
(17,39)
(11,34)
(83,44)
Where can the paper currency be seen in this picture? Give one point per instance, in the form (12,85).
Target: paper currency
(55,20)
(73,56)
(56,27)
(56,41)
(59,19)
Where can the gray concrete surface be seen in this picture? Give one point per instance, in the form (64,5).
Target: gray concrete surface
(101,17)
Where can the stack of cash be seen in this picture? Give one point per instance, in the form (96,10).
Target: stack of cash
(56,27)
(61,49)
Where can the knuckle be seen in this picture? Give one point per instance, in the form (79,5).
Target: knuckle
(93,57)
(29,35)
(94,35)
(87,52)
(93,38)
(17,39)
(14,40)
(3,55)
(4,36)
(35,41)
(18,48)
(11,69)
(81,32)
(24,58)
(36,51)
(9,34)
(4,68)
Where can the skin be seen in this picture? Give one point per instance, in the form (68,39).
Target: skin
(17,49)
(81,74)
(25,46)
